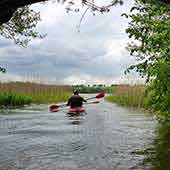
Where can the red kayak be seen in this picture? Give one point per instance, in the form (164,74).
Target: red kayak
(76,110)
(55,107)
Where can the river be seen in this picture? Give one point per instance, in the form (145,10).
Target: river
(108,137)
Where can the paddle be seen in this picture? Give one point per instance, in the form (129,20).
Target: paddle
(95,102)
(55,107)
(99,96)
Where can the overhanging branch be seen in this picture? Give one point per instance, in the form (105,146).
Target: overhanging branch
(8,7)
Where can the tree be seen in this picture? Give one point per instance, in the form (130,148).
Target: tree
(8,7)
(149,27)
(18,22)
(21,27)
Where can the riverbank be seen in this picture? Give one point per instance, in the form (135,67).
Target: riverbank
(19,93)
(125,95)
(138,96)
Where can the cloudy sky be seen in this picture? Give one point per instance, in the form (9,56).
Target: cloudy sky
(96,54)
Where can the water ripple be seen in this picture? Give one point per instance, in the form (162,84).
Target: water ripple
(109,137)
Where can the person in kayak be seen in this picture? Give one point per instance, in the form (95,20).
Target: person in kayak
(76,100)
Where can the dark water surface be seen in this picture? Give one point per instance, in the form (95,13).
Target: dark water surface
(108,137)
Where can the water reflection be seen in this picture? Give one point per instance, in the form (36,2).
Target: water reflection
(75,122)
(75,119)
(158,155)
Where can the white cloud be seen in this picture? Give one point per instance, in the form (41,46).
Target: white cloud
(95,55)
(116,50)
(10,77)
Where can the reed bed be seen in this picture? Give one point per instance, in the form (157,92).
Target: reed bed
(126,95)
(19,93)
(14,99)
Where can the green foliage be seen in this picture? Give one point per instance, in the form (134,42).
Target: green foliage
(86,89)
(22,26)
(14,99)
(19,21)
(149,27)
(93,88)
(2,70)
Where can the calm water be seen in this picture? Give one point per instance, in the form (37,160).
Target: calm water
(108,137)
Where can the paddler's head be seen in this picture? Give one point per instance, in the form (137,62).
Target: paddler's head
(76,92)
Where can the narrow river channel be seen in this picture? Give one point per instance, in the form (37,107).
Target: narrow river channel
(108,137)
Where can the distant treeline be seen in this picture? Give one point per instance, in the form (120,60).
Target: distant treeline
(93,88)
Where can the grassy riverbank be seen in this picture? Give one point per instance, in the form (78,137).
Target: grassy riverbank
(140,96)
(18,93)
(126,95)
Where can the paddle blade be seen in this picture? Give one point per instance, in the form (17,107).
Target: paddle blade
(101,95)
(96,102)
(53,108)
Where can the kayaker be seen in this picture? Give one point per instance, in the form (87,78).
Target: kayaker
(76,100)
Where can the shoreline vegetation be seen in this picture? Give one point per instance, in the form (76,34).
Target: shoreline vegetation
(23,93)
(17,94)
(134,96)
(129,95)
(141,97)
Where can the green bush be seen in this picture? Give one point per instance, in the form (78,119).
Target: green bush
(13,99)
(149,27)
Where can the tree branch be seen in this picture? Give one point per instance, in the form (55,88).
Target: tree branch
(8,7)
